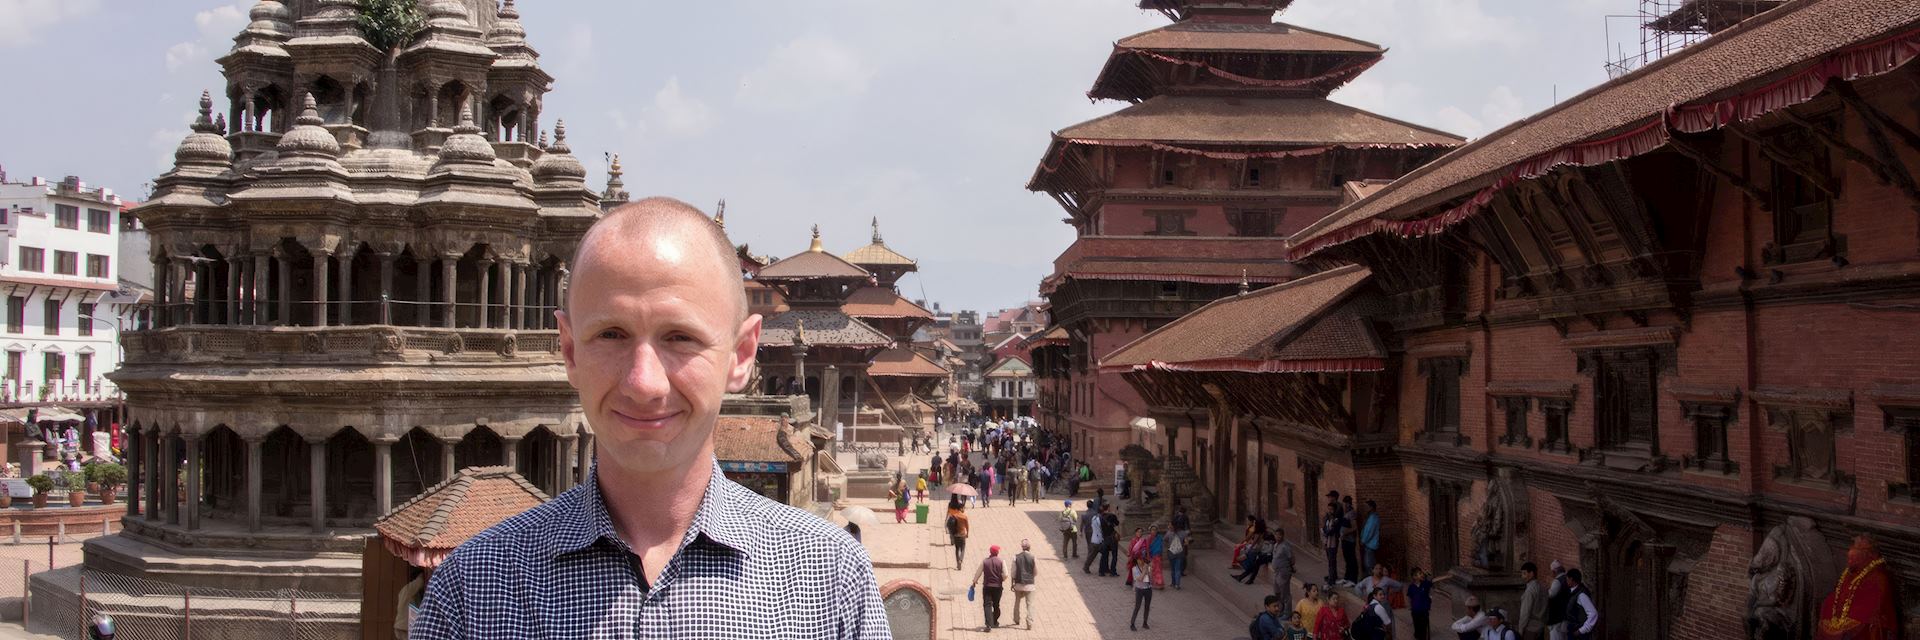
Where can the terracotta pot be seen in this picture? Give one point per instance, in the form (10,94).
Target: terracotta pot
(76,498)
(39,500)
(6,500)
(107,495)
(93,487)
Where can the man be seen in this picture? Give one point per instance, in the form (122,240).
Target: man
(1349,540)
(991,576)
(1267,625)
(1581,614)
(1023,572)
(657,541)
(1095,539)
(1420,603)
(1533,604)
(1282,566)
(1069,532)
(1471,625)
(1370,535)
(1330,527)
(1557,599)
(1110,530)
(1497,628)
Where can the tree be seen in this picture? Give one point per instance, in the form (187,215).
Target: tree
(390,24)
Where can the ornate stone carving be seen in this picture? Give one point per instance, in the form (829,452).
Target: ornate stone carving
(389,342)
(455,344)
(255,343)
(509,346)
(872,460)
(313,343)
(1501,534)
(1784,582)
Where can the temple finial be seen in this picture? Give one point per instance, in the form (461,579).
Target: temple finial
(720,214)
(876,230)
(816,248)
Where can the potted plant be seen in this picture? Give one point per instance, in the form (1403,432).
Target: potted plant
(109,476)
(41,485)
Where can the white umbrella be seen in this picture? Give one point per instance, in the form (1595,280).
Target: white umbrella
(861,516)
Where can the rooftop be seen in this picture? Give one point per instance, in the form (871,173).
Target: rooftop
(905,363)
(828,327)
(881,302)
(1299,325)
(427,528)
(756,439)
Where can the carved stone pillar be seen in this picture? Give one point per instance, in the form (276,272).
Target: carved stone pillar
(136,452)
(193,480)
(450,279)
(317,476)
(485,269)
(422,292)
(510,450)
(179,311)
(286,290)
(257,311)
(386,290)
(320,289)
(170,484)
(516,308)
(256,465)
(162,293)
(234,265)
(151,464)
(569,453)
(345,302)
(383,474)
(447,464)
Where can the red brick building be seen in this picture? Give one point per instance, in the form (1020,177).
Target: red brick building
(1228,144)
(1663,331)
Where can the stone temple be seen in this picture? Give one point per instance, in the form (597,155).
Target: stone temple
(356,267)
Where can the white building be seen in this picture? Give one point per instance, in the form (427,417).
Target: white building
(65,304)
(1010,388)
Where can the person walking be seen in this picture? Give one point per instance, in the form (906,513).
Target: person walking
(1096,540)
(1157,556)
(1420,603)
(1282,574)
(1109,552)
(991,576)
(1069,532)
(1136,551)
(1581,614)
(900,503)
(1023,574)
(1533,604)
(1349,540)
(1142,599)
(1176,556)
(1370,535)
(986,484)
(957,530)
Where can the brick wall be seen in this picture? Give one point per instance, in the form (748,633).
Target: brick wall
(1717,587)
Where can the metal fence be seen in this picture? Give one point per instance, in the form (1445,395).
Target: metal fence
(64,601)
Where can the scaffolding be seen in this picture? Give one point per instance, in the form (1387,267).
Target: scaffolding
(1666,26)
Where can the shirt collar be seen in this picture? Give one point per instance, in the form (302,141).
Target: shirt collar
(720,519)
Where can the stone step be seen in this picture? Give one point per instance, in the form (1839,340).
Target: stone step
(337,573)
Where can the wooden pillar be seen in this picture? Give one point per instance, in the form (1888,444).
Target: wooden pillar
(383,474)
(317,476)
(193,480)
(320,289)
(256,466)
(449,296)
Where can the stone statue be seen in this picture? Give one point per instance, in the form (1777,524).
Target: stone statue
(1783,582)
(871,460)
(1862,605)
(1497,532)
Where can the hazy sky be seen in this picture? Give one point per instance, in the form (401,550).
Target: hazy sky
(929,114)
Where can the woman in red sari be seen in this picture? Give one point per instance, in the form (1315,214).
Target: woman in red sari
(1157,551)
(1256,528)
(1332,622)
(1137,551)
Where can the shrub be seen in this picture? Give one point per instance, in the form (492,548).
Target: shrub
(108,474)
(40,483)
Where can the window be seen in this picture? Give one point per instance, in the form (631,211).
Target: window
(51,317)
(33,259)
(16,314)
(1803,208)
(1555,412)
(1624,411)
(83,369)
(1709,436)
(66,216)
(1170,223)
(56,367)
(83,319)
(1515,408)
(13,366)
(99,221)
(1906,422)
(1252,176)
(1169,290)
(1443,399)
(97,267)
(1253,224)
(66,263)
(1810,450)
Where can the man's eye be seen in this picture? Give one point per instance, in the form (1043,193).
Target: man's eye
(611,334)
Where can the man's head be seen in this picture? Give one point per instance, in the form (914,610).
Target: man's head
(993,550)
(1380,571)
(1572,576)
(1528,570)
(1473,603)
(1496,617)
(1026,545)
(1069,504)
(654,332)
(1333,495)
(1556,568)
(1273,604)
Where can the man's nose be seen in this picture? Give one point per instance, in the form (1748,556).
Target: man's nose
(646,377)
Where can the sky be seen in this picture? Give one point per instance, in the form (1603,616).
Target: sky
(929,115)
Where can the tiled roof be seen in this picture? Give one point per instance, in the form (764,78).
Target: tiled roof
(904,363)
(1355,190)
(1191,35)
(811,264)
(823,327)
(1284,322)
(425,529)
(881,302)
(756,439)
(1005,367)
(1774,43)
(1279,121)
(878,254)
(1174,271)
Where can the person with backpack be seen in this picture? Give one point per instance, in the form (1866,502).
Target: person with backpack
(1176,555)
(1376,619)
(1069,532)
(1267,624)
(1497,628)
(957,530)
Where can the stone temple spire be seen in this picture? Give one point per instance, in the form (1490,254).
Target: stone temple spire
(466,146)
(509,39)
(720,215)
(616,193)
(816,248)
(308,138)
(558,163)
(876,231)
(204,147)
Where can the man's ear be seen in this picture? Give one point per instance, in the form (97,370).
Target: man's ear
(745,350)
(566,337)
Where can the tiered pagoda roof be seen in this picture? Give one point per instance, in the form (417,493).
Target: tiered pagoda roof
(1307,325)
(813,263)
(881,302)
(877,254)
(820,327)
(903,362)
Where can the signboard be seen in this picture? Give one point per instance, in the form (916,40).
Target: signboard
(17,487)
(910,610)
(753,467)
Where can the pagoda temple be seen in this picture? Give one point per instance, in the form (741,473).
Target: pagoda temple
(1661,332)
(814,345)
(1228,144)
(357,263)
(905,384)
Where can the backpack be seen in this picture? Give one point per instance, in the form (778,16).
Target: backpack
(1253,628)
(953,526)
(1366,627)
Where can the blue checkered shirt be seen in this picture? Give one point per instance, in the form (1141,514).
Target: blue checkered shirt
(748,567)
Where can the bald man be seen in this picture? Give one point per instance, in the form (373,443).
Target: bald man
(658,543)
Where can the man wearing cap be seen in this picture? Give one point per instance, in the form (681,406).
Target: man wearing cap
(1023,571)
(991,575)
(1557,598)
(1497,628)
(1470,626)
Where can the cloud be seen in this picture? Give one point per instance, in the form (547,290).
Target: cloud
(183,54)
(1455,120)
(216,27)
(21,21)
(1503,107)
(807,72)
(679,114)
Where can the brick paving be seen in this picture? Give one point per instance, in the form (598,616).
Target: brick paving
(1070,604)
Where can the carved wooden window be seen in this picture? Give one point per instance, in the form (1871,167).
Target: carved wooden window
(1253,175)
(1802,208)
(1443,398)
(1906,422)
(1623,395)
(1710,451)
(1515,408)
(1253,223)
(1169,290)
(1555,412)
(1810,443)
(1170,222)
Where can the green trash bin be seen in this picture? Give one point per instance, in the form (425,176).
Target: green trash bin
(920,514)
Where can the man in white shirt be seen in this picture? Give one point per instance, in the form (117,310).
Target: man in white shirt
(1474,622)
(1581,614)
(1497,628)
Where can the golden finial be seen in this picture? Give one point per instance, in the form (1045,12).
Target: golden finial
(720,214)
(816,248)
(799,332)
(876,230)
